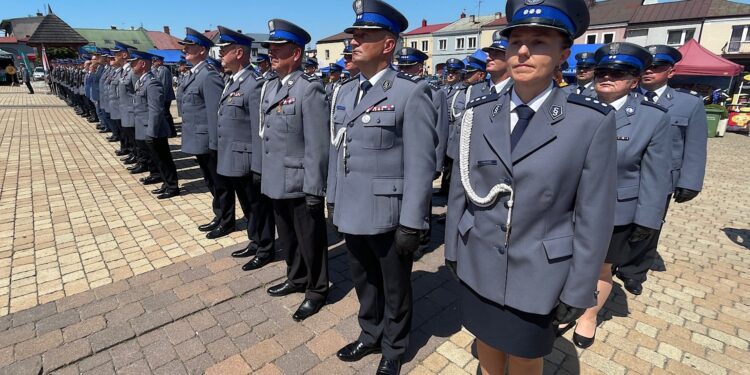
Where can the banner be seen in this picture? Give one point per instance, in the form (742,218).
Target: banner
(45,62)
(26,62)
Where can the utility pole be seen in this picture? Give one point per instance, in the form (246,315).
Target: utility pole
(479,8)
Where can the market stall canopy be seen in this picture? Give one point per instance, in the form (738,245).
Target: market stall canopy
(54,32)
(170,56)
(698,61)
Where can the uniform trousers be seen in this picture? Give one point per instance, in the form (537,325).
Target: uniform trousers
(104,119)
(258,210)
(161,156)
(143,157)
(116,128)
(127,140)
(220,188)
(382,279)
(28,86)
(303,235)
(170,119)
(643,255)
(445,182)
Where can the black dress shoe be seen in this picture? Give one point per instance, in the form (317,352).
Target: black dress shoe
(250,250)
(139,168)
(284,289)
(355,351)
(150,180)
(121,153)
(220,231)
(102,131)
(210,226)
(130,160)
(307,309)
(389,367)
(633,286)
(113,139)
(169,194)
(583,342)
(257,262)
(160,190)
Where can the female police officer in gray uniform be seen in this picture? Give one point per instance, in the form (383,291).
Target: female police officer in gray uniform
(642,165)
(531,204)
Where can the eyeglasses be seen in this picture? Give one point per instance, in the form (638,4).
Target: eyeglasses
(613,74)
(661,68)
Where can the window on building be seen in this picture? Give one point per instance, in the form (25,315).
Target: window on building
(679,37)
(136,41)
(608,38)
(425,45)
(591,39)
(460,43)
(414,45)
(328,54)
(442,44)
(636,33)
(472,42)
(107,41)
(740,36)
(254,52)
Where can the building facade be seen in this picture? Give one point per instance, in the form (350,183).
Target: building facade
(459,39)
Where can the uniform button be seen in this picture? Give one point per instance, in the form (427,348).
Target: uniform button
(507,181)
(503,227)
(346,170)
(394,189)
(500,249)
(266,152)
(505,204)
(349,139)
(350,125)
(348,155)
(266,138)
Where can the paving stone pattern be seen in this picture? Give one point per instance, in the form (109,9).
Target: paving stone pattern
(199,313)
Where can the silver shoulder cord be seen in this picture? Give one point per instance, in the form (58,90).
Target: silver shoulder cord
(453,107)
(464,148)
(261,127)
(337,138)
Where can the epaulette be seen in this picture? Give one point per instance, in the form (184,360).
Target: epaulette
(434,86)
(482,99)
(476,83)
(310,77)
(651,104)
(689,92)
(349,80)
(409,77)
(587,101)
(210,67)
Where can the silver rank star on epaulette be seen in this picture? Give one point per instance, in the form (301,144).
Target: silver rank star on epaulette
(603,104)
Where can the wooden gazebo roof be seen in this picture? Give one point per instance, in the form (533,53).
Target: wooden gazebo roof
(54,32)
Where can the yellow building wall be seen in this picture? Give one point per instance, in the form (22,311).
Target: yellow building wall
(430,47)
(485,37)
(717,33)
(335,53)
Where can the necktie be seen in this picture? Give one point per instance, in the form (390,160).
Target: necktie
(651,96)
(229,83)
(493,90)
(363,88)
(525,113)
(580,89)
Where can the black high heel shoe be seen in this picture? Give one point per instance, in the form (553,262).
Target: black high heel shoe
(561,331)
(583,342)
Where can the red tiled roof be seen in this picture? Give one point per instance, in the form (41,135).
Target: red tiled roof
(8,40)
(429,29)
(336,38)
(498,22)
(163,40)
(211,34)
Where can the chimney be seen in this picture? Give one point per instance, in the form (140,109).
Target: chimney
(424,22)
(113,27)
(463,15)
(239,31)
(166,30)
(206,31)
(39,14)
(473,19)
(498,15)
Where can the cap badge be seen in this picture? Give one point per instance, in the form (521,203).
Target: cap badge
(614,48)
(652,49)
(533,2)
(271,26)
(358,7)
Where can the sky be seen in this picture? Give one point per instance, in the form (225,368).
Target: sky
(321,21)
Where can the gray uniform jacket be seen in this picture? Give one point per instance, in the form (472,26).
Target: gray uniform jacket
(164,75)
(112,93)
(201,92)
(295,137)
(442,126)
(148,102)
(178,93)
(239,141)
(689,129)
(104,88)
(643,162)
(125,91)
(587,91)
(96,83)
(456,107)
(563,173)
(385,157)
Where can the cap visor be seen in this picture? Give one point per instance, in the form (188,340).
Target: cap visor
(352,29)
(490,49)
(509,28)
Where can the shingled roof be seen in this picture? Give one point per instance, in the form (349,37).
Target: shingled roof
(613,11)
(21,28)
(689,10)
(53,31)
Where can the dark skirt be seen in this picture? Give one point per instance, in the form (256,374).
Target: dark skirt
(508,330)
(619,250)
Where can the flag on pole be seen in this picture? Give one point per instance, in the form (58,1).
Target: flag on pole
(45,62)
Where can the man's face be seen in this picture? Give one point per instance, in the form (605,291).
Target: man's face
(335,76)
(349,63)
(194,53)
(614,83)
(264,65)
(415,69)
(535,53)
(368,45)
(284,56)
(156,63)
(229,55)
(452,77)
(584,75)
(657,75)
(475,76)
(311,69)
(121,57)
(496,62)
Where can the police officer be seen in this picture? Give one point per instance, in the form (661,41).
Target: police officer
(264,65)
(294,132)
(453,86)
(239,144)
(643,163)
(334,79)
(349,66)
(310,65)
(125,88)
(125,134)
(497,67)
(385,140)
(531,205)
(585,64)
(149,117)
(96,76)
(26,75)
(104,116)
(201,94)
(411,61)
(687,117)
(182,73)
(165,77)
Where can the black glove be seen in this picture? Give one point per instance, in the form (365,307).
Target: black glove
(256,178)
(314,204)
(682,195)
(330,207)
(453,267)
(406,240)
(566,314)
(641,233)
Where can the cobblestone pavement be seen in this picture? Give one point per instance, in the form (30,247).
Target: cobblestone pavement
(64,196)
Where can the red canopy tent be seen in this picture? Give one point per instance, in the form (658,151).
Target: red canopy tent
(698,61)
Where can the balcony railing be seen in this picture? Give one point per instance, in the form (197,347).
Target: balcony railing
(736,48)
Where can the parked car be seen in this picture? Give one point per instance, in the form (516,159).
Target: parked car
(39,74)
